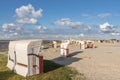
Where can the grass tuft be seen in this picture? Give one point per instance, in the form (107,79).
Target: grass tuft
(3,50)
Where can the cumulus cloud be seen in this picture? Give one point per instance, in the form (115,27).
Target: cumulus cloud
(81,35)
(40,28)
(27,14)
(107,28)
(13,30)
(67,22)
(104,15)
(74,25)
(10,31)
(115,34)
(10,27)
(44,28)
(15,33)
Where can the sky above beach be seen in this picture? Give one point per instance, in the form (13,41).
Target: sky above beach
(97,19)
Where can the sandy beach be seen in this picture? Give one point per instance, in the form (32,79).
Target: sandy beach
(101,63)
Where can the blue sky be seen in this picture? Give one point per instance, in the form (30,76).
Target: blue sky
(43,18)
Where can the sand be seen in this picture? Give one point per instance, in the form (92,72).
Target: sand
(102,63)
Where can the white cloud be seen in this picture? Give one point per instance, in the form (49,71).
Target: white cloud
(27,14)
(27,21)
(81,35)
(106,28)
(10,27)
(115,34)
(104,15)
(87,27)
(44,28)
(15,33)
(40,27)
(18,29)
(74,25)
(67,22)
(6,26)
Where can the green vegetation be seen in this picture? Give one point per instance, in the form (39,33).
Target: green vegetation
(52,71)
(3,50)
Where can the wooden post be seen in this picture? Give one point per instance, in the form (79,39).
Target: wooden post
(52,45)
(67,52)
(80,45)
(41,67)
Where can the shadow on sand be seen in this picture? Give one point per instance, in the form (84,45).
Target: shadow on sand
(75,53)
(62,60)
(68,60)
